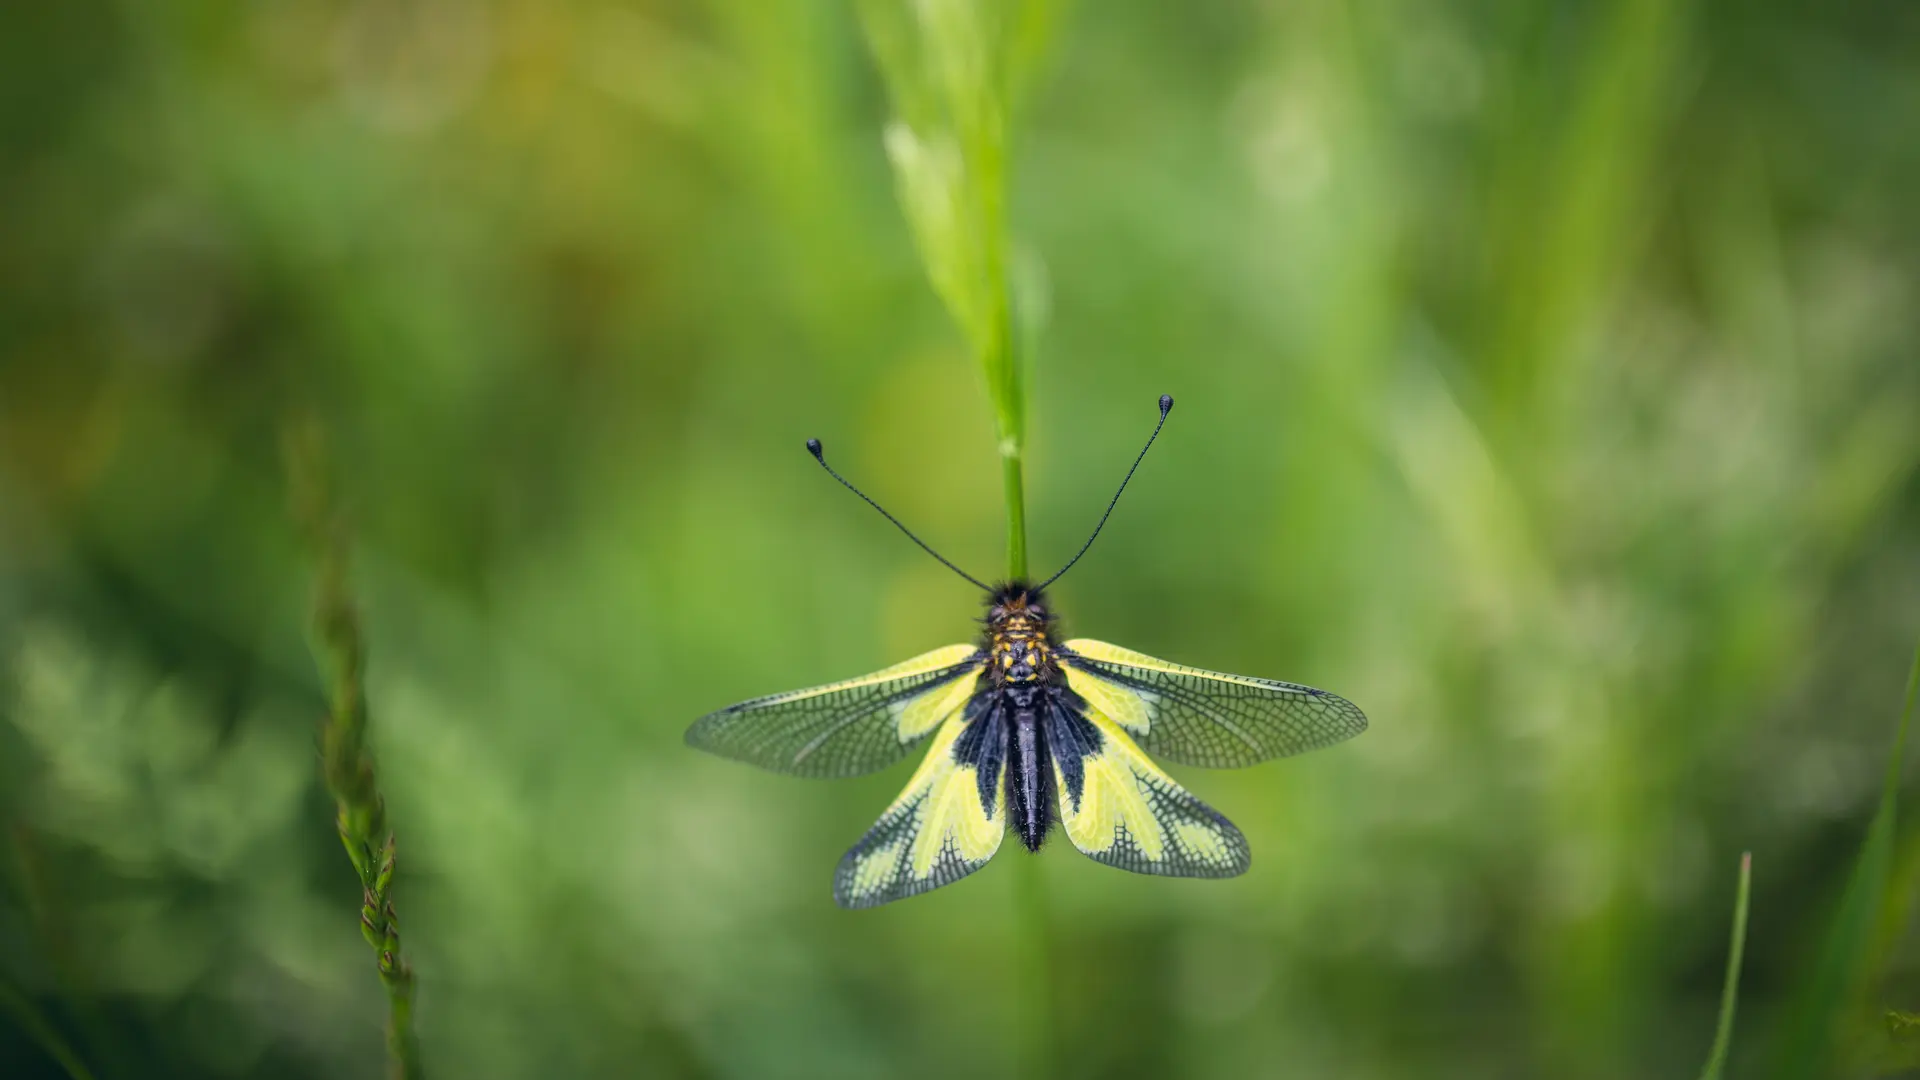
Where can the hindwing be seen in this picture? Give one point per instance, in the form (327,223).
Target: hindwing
(947,822)
(1121,809)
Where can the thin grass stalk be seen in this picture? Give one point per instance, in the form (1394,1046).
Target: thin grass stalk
(14,1002)
(950,68)
(1036,1031)
(44,917)
(1730,991)
(1838,987)
(347,760)
(1002,368)
(1034,946)
(1030,888)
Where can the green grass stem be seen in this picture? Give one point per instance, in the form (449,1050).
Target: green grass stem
(1837,989)
(347,760)
(951,67)
(15,1003)
(1012,468)
(1730,991)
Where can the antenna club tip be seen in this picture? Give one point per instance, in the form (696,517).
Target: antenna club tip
(1166,404)
(814,448)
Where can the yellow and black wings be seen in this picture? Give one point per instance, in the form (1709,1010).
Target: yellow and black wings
(1119,706)
(845,728)
(1194,717)
(1115,803)
(947,822)
(1119,808)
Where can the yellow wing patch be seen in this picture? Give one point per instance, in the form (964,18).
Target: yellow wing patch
(1115,654)
(1211,718)
(849,727)
(925,664)
(935,833)
(917,716)
(1132,815)
(1131,709)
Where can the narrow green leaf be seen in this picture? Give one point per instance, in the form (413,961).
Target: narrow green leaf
(949,66)
(1839,980)
(1730,992)
(348,765)
(17,1004)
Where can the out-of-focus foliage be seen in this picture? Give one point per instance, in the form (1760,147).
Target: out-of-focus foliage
(1548,386)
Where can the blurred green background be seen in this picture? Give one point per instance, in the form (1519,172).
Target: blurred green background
(1548,386)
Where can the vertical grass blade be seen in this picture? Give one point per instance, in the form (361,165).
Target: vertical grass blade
(1034,968)
(1730,992)
(951,67)
(1837,988)
(347,759)
(15,1003)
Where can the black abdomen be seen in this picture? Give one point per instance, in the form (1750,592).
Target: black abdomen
(1030,792)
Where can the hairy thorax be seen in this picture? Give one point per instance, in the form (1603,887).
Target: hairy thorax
(1018,643)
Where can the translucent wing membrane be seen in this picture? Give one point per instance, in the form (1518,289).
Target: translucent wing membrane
(946,824)
(1120,809)
(1195,717)
(845,728)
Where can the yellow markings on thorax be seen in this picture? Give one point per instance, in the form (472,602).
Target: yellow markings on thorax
(1020,641)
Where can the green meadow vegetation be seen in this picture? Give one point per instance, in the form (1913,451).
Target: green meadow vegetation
(401,423)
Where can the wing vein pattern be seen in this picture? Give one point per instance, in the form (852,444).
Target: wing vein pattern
(1195,717)
(1121,809)
(845,728)
(945,824)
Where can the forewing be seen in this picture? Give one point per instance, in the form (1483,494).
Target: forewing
(945,825)
(1195,717)
(845,728)
(1120,809)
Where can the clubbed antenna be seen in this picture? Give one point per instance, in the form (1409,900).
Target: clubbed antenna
(1166,406)
(819,455)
